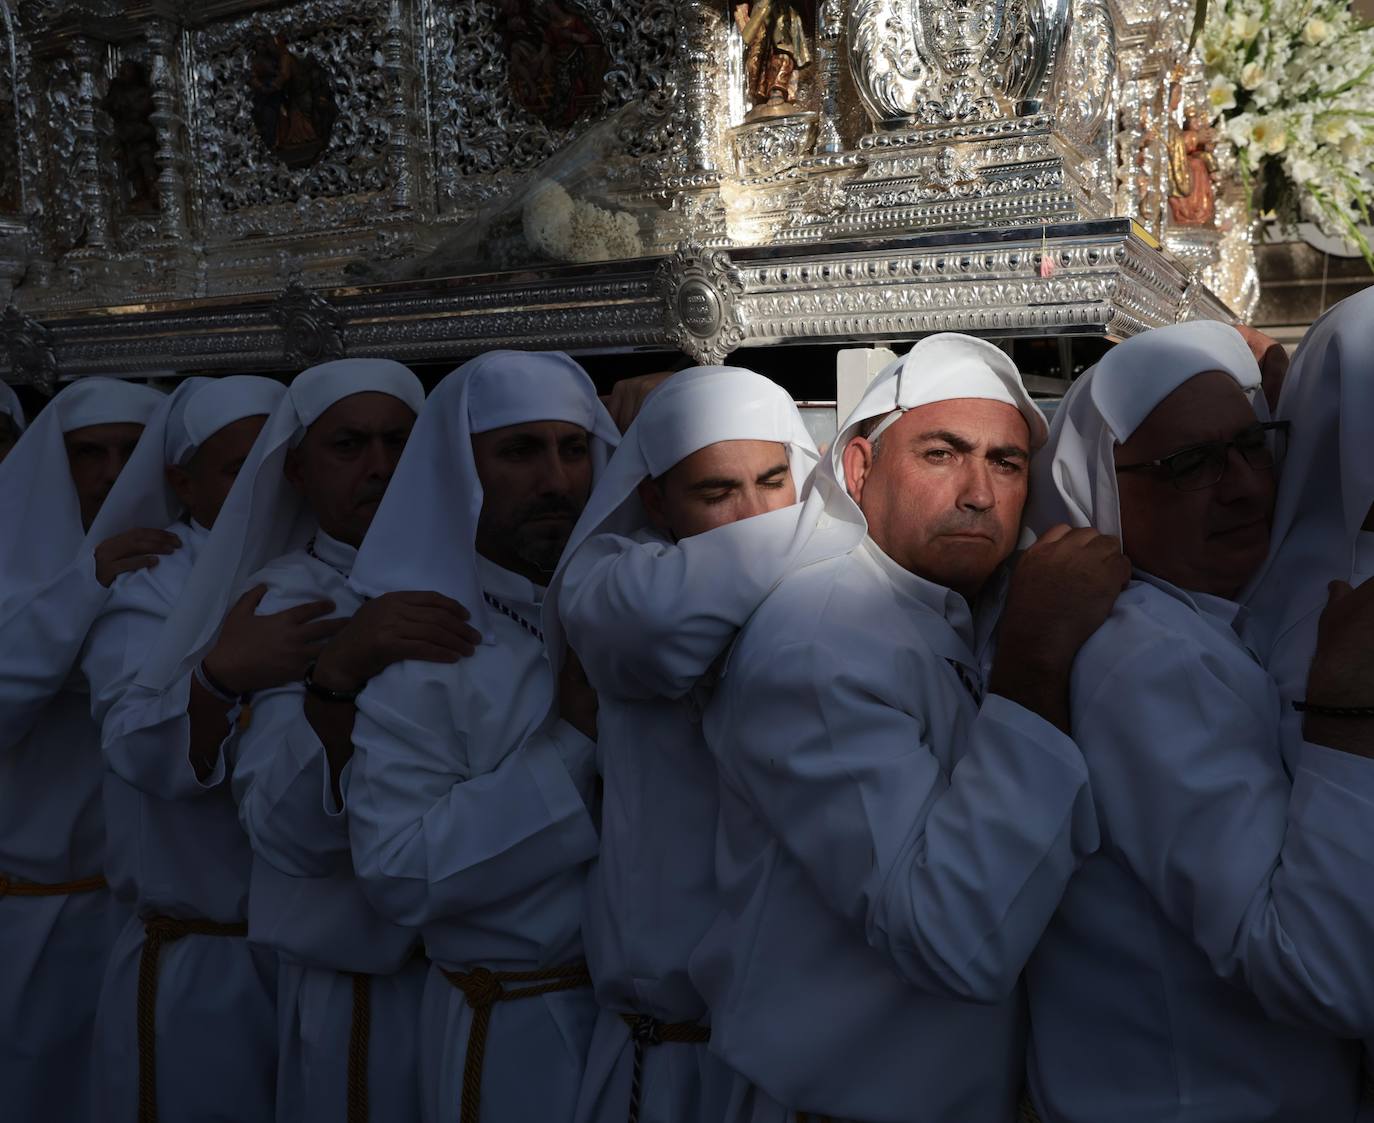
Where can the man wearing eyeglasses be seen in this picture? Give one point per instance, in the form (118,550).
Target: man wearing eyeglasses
(1211,963)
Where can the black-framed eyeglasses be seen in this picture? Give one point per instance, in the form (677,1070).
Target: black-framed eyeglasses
(1262,446)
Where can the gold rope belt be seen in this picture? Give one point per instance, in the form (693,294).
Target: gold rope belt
(646,1031)
(10,888)
(483,989)
(160,930)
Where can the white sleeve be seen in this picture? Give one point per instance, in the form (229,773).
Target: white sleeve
(1271,882)
(648,619)
(41,637)
(952,878)
(284,789)
(430,840)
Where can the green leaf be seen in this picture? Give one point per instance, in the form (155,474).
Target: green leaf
(1199,22)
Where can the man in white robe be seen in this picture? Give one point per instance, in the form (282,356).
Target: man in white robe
(899,811)
(469,787)
(11,420)
(1211,962)
(1324,513)
(694,521)
(197,687)
(349,982)
(57,918)
(166,855)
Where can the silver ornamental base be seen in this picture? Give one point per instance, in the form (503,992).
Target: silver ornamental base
(1105,278)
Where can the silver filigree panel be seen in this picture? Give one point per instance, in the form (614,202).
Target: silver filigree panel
(237,173)
(484,140)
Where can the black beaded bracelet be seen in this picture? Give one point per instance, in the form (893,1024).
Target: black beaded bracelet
(324,694)
(1333,711)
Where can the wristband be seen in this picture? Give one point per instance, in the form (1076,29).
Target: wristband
(324,694)
(1333,711)
(212,686)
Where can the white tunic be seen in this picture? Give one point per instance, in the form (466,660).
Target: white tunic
(304,900)
(649,618)
(52,949)
(175,848)
(1208,963)
(468,818)
(889,853)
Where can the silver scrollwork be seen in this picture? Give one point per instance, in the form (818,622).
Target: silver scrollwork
(700,291)
(28,345)
(312,328)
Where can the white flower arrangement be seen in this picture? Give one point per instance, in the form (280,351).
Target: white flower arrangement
(575,230)
(1292,88)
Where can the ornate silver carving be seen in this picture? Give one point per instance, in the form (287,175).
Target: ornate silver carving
(932,61)
(312,328)
(170,123)
(700,289)
(1085,75)
(28,346)
(773,145)
(829,56)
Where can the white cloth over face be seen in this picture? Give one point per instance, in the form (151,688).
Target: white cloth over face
(39,509)
(261,519)
(1207,964)
(304,901)
(649,617)
(467,797)
(890,846)
(1077,483)
(195,411)
(11,407)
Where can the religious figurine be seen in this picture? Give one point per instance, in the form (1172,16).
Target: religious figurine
(1192,192)
(129,102)
(293,105)
(775,50)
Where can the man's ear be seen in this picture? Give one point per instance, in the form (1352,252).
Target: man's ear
(655,504)
(179,480)
(857,459)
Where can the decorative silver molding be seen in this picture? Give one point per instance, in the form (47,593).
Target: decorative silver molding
(28,348)
(768,147)
(312,328)
(700,289)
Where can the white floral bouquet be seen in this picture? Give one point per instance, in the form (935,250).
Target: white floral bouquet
(1292,88)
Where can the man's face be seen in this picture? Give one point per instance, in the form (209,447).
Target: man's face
(535,481)
(1210,540)
(346,460)
(203,483)
(719,484)
(97,454)
(943,496)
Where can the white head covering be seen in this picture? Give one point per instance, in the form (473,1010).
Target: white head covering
(195,411)
(264,517)
(9,405)
(695,408)
(1327,484)
(424,534)
(940,368)
(40,514)
(1073,480)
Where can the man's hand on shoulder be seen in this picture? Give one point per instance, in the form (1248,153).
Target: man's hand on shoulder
(134,549)
(1062,590)
(256,652)
(391,629)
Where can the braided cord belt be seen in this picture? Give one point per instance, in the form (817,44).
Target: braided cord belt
(10,888)
(359,1040)
(483,989)
(158,931)
(645,1032)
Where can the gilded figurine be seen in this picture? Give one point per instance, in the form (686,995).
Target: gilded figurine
(1192,171)
(776,49)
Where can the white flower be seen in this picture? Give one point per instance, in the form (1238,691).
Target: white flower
(1269,134)
(1267,92)
(1352,146)
(1316,32)
(1221,95)
(1244,28)
(1331,130)
(1251,75)
(1303,170)
(1212,54)
(1238,130)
